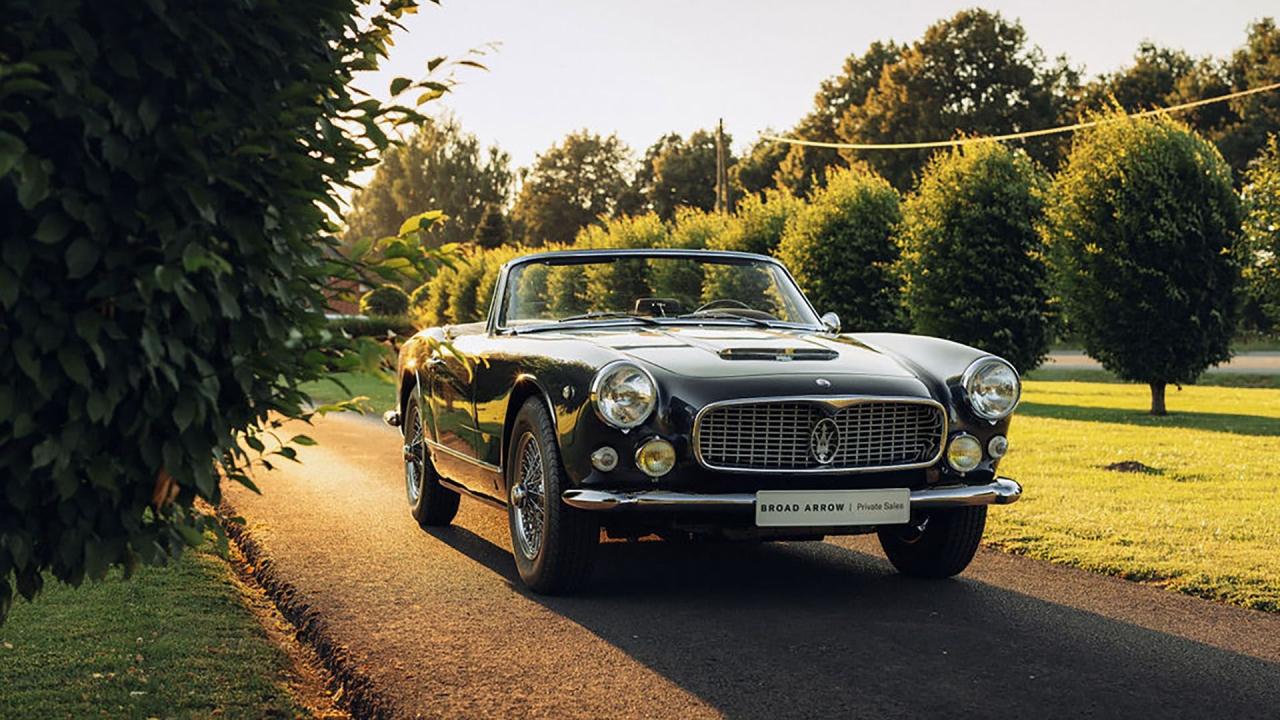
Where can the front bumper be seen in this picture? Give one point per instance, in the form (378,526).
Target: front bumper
(1001,491)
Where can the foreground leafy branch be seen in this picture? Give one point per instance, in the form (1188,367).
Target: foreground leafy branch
(168,175)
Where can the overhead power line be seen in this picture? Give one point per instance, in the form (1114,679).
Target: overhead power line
(1020,135)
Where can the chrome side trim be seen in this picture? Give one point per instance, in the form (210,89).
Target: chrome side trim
(835,401)
(1001,491)
(462,456)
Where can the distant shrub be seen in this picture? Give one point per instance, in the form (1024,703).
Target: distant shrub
(385,300)
(1143,223)
(418,297)
(841,250)
(434,311)
(757,227)
(462,291)
(973,255)
(1261,248)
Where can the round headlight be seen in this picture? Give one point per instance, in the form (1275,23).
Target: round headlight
(964,453)
(993,388)
(998,446)
(656,457)
(624,394)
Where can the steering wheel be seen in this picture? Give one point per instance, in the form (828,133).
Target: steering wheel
(721,301)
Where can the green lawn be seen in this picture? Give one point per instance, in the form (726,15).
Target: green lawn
(381,393)
(171,642)
(1212,379)
(1199,515)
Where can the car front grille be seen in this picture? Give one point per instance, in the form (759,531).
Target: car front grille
(779,435)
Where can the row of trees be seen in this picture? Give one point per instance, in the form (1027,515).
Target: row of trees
(1135,243)
(975,73)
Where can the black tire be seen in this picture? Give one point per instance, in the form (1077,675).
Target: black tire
(945,547)
(566,550)
(430,503)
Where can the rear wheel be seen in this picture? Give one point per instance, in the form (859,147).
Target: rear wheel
(430,503)
(554,544)
(942,546)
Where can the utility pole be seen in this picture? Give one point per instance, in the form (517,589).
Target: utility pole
(722,174)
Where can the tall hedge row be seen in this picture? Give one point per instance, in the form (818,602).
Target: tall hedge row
(840,248)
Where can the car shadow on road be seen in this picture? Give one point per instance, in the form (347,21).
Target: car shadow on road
(817,630)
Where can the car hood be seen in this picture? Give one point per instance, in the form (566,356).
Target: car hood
(736,351)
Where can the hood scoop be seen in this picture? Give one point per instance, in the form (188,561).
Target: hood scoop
(778,354)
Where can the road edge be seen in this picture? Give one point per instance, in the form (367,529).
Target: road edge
(353,691)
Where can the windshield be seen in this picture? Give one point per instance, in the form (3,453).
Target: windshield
(649,289)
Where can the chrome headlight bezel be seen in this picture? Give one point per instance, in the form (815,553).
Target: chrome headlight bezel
(972,373)
(598,387)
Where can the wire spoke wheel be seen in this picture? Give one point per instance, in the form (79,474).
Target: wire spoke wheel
(528,496)
(414,462)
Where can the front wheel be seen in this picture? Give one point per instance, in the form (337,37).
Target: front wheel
(430,503)
(554,544)
(942,546)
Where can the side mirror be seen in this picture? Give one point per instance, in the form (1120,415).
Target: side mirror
(831,322)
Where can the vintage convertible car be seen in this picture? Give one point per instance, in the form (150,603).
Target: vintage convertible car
(696,393)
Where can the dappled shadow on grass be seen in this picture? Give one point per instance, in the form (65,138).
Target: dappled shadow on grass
(1235,424)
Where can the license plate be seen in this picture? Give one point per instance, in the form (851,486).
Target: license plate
(813,508)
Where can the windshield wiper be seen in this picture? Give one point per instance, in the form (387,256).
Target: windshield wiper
(715,315)
(601,315)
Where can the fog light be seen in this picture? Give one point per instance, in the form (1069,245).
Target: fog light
(656,457)
(604,458)
(998,446)
(964,453)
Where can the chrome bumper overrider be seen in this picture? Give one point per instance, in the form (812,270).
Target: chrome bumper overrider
(1000,492)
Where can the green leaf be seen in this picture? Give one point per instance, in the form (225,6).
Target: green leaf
(73,364)
(82,256)
(435,62)
(304,440)
(421,221)
(52,228)
(11,150)
(399,84)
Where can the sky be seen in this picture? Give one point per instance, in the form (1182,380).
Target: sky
(643,69)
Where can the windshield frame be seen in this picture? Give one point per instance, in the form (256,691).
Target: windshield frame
(496,322)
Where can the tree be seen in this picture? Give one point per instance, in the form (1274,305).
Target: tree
(756,227)
(492,231)
(569,187)
(1261,246)
(840,248)
(1256,117)
(677,173)
(805,168)
(754,173)
(974,74)
(165,170)
(440,167)
(973,255)
(1150,82)
(1142,222)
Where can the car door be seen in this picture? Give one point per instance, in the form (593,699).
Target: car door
(457,440)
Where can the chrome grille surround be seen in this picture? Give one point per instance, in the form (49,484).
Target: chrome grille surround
(772,434)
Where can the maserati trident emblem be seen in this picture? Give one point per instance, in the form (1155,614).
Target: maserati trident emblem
(824,440)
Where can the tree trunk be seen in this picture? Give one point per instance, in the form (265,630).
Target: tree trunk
(1157,399)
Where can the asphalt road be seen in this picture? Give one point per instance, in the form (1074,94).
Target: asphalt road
(441,627)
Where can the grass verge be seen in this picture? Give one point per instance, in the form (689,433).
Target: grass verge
(1209,379)
(172,641)
(1193,506)
(381,393)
